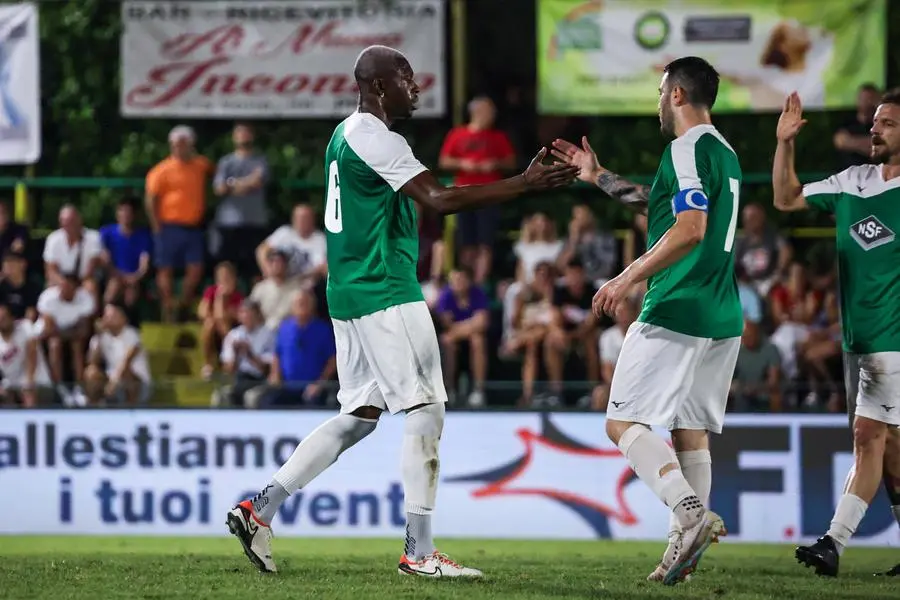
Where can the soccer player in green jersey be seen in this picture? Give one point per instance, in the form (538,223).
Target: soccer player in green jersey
(387,350)
(678,358)
(865,202)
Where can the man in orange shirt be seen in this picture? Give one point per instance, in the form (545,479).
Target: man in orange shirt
(176,202)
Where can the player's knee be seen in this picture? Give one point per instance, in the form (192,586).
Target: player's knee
(426,420)
(867,433)
(624,433)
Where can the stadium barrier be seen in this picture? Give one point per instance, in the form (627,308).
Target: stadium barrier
(503,475)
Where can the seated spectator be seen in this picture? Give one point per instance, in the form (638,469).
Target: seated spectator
(761,251)
(793,299)
(118,368)
(531,318)
(757,376)
(65,311)
(13,236)
(597,250)
(821,356)
(16,292)
(25,375)
(304,363)
(611,342)
(247,353)
(276,292)
(462,311)
(853,139)
(573,326)
(751,303)
(126,254)
(430,268)
(218,314)
(73,248)
(303,244)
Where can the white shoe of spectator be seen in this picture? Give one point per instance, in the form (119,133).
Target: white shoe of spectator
(476,399)
(79,398)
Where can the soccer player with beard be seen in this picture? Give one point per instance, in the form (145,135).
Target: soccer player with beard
(387,350)
(865,202)
(678,359)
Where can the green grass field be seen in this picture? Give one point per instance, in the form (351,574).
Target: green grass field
(103,568)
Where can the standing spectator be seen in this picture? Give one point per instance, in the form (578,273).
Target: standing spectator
(762,252)
(247,353)
(176,203)
(303,244)
(22,362)
(757,376)
(462,309)
(13,236)
(65,311)
(218,314)
(118,367)
(611,342)
(73,248)
(242,215)
(477,153)
(597,250)
(573,326)
(126,253)
(16,292)
(304,361)
(275,293)
(853,140)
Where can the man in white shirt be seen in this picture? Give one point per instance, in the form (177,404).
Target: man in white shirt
(303,244)
(247,353)
(276,292)
(118,368)
(611,342)
(73,248)
(22,362)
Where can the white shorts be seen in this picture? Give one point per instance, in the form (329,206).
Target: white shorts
(873,386)
(672,380)
(389,359)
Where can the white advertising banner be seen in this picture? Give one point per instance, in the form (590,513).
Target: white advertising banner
(270,58)
(503,475)
(20,85)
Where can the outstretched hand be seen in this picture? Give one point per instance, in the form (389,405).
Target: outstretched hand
(539,176)
(791,119)
(583,157)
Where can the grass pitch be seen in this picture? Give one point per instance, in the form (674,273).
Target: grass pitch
(62,568)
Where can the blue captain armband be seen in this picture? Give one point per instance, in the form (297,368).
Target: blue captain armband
(692,199)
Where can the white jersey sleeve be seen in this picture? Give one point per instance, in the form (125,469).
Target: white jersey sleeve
(384,151)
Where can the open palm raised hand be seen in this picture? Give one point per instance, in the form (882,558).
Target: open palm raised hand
(582,156)
(791,120)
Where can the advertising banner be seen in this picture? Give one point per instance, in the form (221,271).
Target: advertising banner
(607,56)
(503,475)
(270,58)
(20,85)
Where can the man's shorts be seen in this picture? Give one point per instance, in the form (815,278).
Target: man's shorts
(389,359)
(176,246)
(668,379)
(872,382)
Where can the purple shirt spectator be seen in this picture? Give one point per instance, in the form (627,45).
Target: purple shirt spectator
(449,304)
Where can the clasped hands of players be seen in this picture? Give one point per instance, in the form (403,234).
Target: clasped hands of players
(540,176)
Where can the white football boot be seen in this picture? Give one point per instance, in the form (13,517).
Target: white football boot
(435,565)
(689,548)
(254,535)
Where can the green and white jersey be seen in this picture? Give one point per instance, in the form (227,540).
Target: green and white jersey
(697,295)
(371,228)
(867,216)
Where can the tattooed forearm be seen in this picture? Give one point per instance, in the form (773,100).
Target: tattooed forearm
(632,195)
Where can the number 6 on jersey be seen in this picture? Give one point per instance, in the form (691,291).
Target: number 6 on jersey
(333,222)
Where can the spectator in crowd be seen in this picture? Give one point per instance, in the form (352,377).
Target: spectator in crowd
(218,314)
(430,267)
(477,153)
(757,376)
(572,326)
(820,355)
(126,253)
(611,342)
(636,239)
(462,310)
(73,248)
(853,140)
(13,236)
(275,293)
(242,215)
(751,303)
(303,244)
(247,353)
(597,249)
(118,368)
(531,317)
(304,362)
(18,294)
(176,203)
(65,311)
(793,299)
(25,374)
(762,252)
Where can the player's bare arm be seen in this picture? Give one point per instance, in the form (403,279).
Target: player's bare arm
(425,189)
(787,190)
(633,195)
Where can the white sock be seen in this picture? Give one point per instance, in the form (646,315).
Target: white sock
(321,448)
(849,512)
(648,454)
(696,465)
(421,468)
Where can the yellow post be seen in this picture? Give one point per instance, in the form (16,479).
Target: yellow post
(22,210)
(458,91)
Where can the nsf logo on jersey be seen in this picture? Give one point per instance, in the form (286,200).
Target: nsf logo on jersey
(871,233)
